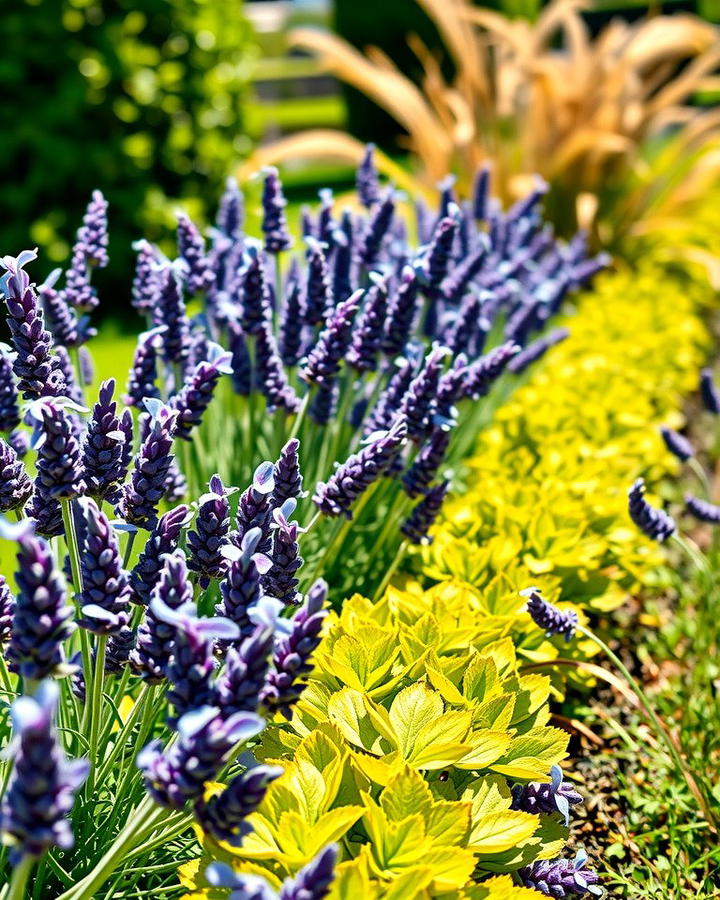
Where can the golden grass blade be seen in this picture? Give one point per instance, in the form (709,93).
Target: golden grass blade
(680,88)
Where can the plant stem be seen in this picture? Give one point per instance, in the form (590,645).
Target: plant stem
(694,553)
(701,474)
(128,548)
(392,568)
(300,416)
(20,876)
(96,711)
(74,554)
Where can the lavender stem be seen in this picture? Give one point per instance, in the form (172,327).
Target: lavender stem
(392,568)
(21,874)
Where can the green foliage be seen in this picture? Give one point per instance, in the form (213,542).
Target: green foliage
(141,98)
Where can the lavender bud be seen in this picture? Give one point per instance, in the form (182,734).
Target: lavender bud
(145,283)
(9,413)
(142,495)
(561,878)
(42,787)
(272,381)
(481,192)
(199,277)
(461,276)
(280,581)
(85,362)
(314,880)
(483,372)
(548,617)
(71,389)
(418,404)
(290,342)
(175,485)
(351,479)
(46,512)
(274,223)
(162,541)
(231,212)
(61,317)
(143,374)
(34,366)
(285,682)
(7,610)
(170,311)
(196,394)
(702,510)
(402,312)
(677,444)
(367,336)
(546,797)
(43,619)
(439,253)
(105,590)
(78,292)
(708,392)
(254,505)
(223,815)
(205,741)
(15,485)
(323,362)
(377,229)
(388,403)
(536,350)
(655,523)
(118,649)
(424,469)
(59,467)
(318,290)
(323,405)
(288,480)
(19,441)
(240,360)
(366,180)
(238,686)
(92,236)
(212,526)
(102,449)
(343,257)
(421,519)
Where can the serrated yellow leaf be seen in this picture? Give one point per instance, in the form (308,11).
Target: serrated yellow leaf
(502,653)
(495,713)
(301,843)
(379,771)
(534,691)
(486,747)
(352,882)
(410,884)
(451,867)
(501,888)
(413,708)
(499,831)
(394,845)
(448,823)
(443,684)
(348,712)
(530,756)
(406,793)
(480,681)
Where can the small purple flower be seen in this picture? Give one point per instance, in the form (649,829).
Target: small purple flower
(655,523)
(162,541)
(323,362)
(175,484)
(9,412)
(143,373)
(34,366)
(439,253)
(481,192)
(145,283)
(287,477)
(118,649)
(142,495)
(367,336)
(238,686)
(426,465)
(388,404)
(418,404)
(223,815)
(170,311)
(15,485)
(702,510)
(199,275)
(45,512)
(550,618)
(231,212)
(536,350)
(343,257)
(59,464)
(79,292)
(206,740)
(378,226)
(401,315)
(326,226)
(421,519)
(450,390)
(71,389)
(92,236)
(677,444)
(285,682)
(274,223)
(60,316)
(85,362)
(459,279)
(270,375)
(42,787)
(560,878)
(708,392)
(350,480)
(311,883)
(290,339)
(43,618)
(195,396)
(485,371)
(367,183)
(240,585)
(19,441)
(546,797)
(105,595)
(7,610)
(318,289)
(102,449)
(254,506)
(212,525)
(280,580)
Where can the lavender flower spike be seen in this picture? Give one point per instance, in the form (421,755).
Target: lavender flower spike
(402,311)
(15,484)
(702,510)
(34,366)
(271,379)
(288,480)
(240,682)
(7,610)
(655,523)
(142,495)
(162,541)
(42,620)
(212,525)
(143,373)
(677,444)
(280,581)
(170,311)
(421,519)
(231,212)
(709,392)
(483,372)
(290,336)
(536,350)
(205,742)
(42,787)
(105,590)
(102,449)
(312,882)
(274,223)
(254,506)
(9,412)
(560,878)
(223,815)
(546,797)
(59,465)
(92,236)
(550,618)
(199,275)
(291,658)
(366,179)
(240,586)
(335,496)
(323,362)
(145,282)
(377,229)
(196,394)
(318,289)
(425,467)
(368,335)
(418,404)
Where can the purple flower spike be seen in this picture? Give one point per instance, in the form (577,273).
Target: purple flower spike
(318,289)
(254,506)
(655,523)
(343,258)
(162,541)
(402,312)
(240,586)
(450,390)
(175,484)
(142,495)
(388,404)
(548,617)
(242,887)
(368,334)
(170,311)
(43,619)
(196,394)
(439,253)
(237,689)
(223,815)
(421,519)
(155,637)
(290,340)
(9,413)
(34,366)
(7,610)
(323,362)
(78,291)
(312,882)
(240,360)
(254,293)
(485,371)
(15,485)
(192,664)
(42,787)
(280,581)
(546,797)
(536,350)
(702,510)
(285,682)
(61,317)
(19,441)
(459,279)
(377,229)
(145,283)
(366,180)
(102,449)
(212,526)
(206,740)
(481,192)
(708,392)
(274,223)
(323,405)
(143,374)
(560,878)
(288,480)
(199,276)
(270,375)
(424,469)
(118,649)
(85,361)
(336,496)
(418,404)
(231,212)
(677,444)
(71,389)
(45,512)
(59,466)
(105,590)
(92,236)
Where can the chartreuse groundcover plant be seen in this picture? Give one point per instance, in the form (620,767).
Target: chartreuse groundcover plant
(316,403)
